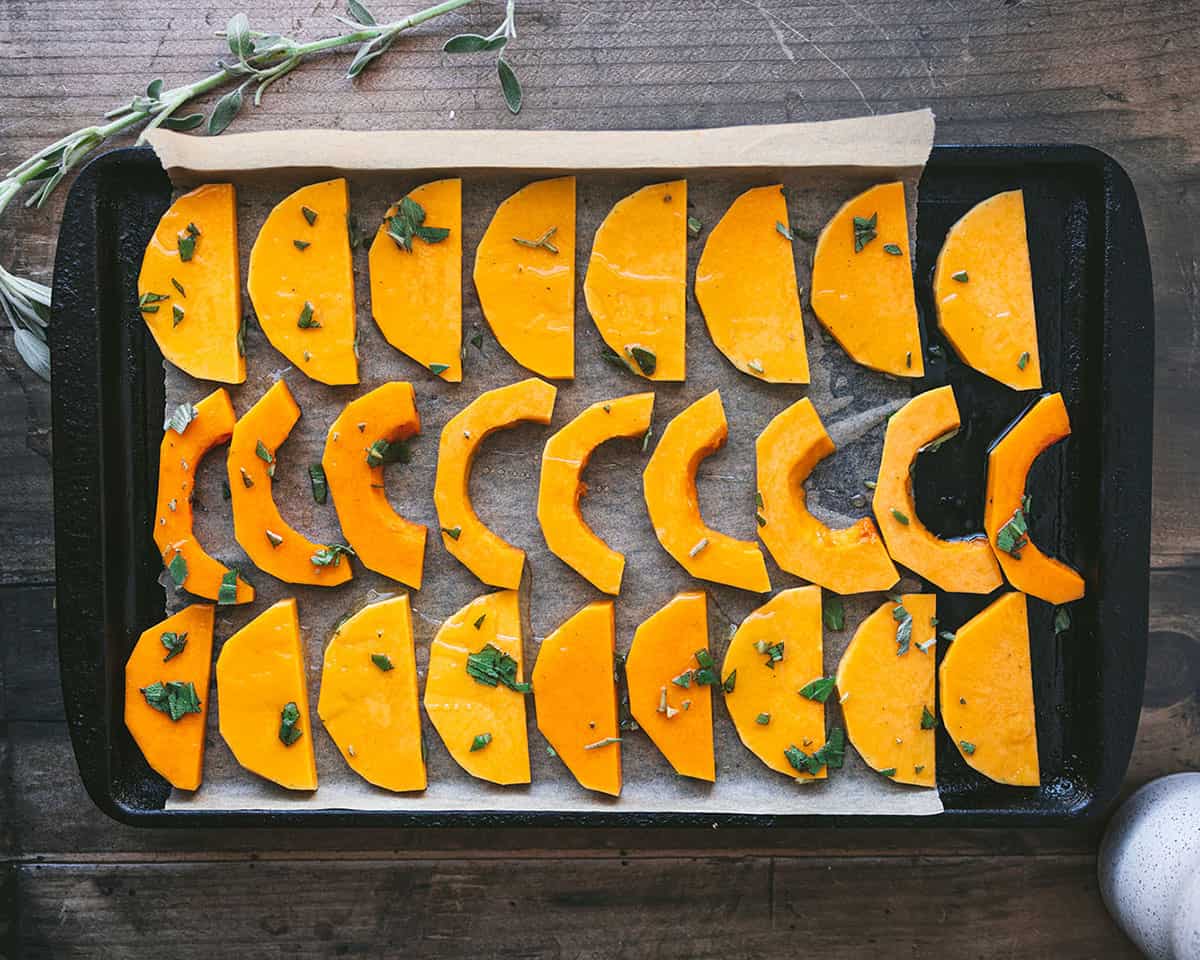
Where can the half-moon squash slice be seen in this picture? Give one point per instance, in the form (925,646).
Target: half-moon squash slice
(669,485)
(956,566)
(987,694)
(208,423)
(1005,513)
(270,541)
(566,455)
(368,699)
(166,694)
(475,694)
(189,288)
(636,280)
(862,283)
(416,281)
(525,276)
(746,287)
(849,560)
(301,282)
(370,432)
(493,560)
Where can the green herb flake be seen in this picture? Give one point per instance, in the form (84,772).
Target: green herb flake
(928,720)
(705,678)
(437,369)
(784,230)
(227,591)
(306,321)
(551,752)
(301,245)
(543,241)
(175,698)
(1062,620)
(831,755)
(819,689)
(1023,360)
(481,740)
(174,643)
(946,635)
(683,680)
(612,358)
(289,716)
(178,569)
(408,222)
(900,517)
(694,226)
(381,452)
(763,719)
(382,661)
(479,622)
(646,360)
(758,499)
(760,519)
(918,768)
(320,486)
(180,417)
(606,742)
(273,538)
(453,532)
(179,286)
(646,438)
(908,359)
(491,666)
(889,772)
(1013,536)
(730,682)
(893,249)
(309,214)
(331,556)
(772,651)
(864,231)
(869,484)
(187,246)
(904,636)
(704,658)
(833,613)
(247,481)
(477,341)
(967,746)
(961,276)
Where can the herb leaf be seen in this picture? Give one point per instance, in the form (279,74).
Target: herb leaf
(491,666)
(900,517)
(180,417)
(509,85)
(784,230)
(967,746)
(289,716)
(381,452)
(227,591)
(228,107)
(178,569)
(331,555)
(833,613)
(864,231)
(1062,620)
(831,755)
(893,249)
(961,276)
(306,321)
(174,642)
(645,359)
(320,486)
(360,13)
(730,682)
(928,720)
(481,740)
(819,689)
(175,698)
(1013,536)
(543,241)
(382,661)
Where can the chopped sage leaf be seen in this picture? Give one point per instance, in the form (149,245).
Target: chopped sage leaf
(273,538)
(227,592)
(683,680)
(266,456)
(758,499)
(289,716)
(904,635)
(381,452)
(175,698)
(178,569)
(900,517)
(306,320)
(382,661)
(968,746)
(187,246)
(437,369)
(176,315)
(928,720)
(730,682)
(606,742)
(408,222)
(179,286)
(760,519)
(893,249)
(1013,536)
(833,613)
(301,244)
(864,231)
(491,666)
(481,740)
(1023,360)
(889,772)
(946,635)
(453,533)
(705,678)
(1062,620)
(246,479)
(174,642)
(320,486)
(819,689)
(309,214)
(479,622)
(331,556)
(543,241)
(763,719)
(694,226)
(704,658)
(646,438)
(477,341)
(831,755)
(961,276)
(148,298)
(772,651)
(645,359)
(551,752)
(784,230)
(908,359)
(611,357)
(180,417)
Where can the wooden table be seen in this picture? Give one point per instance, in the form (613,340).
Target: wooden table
(1119,75)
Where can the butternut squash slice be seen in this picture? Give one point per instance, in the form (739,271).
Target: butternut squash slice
(636,281)
(746,287)
(850,560)
(956,566)
(301,282)
(886,685)
(575,693)
(987,694)
(669,485)
(264,699)
(189,288)
(166,694)
(211,423)
(492,559)
(416,285)
(763,695)
(668,696)
(368,699)
(1009,460)
(525,276)
(270,541)
(983,287)
(561,488)
(862,283)
(475,662)
(370,432)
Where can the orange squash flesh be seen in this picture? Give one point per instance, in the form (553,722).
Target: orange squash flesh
(865,299)
(528,292)
(416,296)
(576,697)
(283,279)
(260,671)
(371,710)
(461,708)
(270,541)
(382,539)
(204,340)
(850,560)
(746,287)
(956,566)
(885,693)
(1009,460)
(664,647)
(669,485)
(492,559)
(636,278)
(792,617)
(983,287)
(566,455)
(987,694)
(178,460)
(173,748)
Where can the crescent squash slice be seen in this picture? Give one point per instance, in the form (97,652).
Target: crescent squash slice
(983,287)
(987,694)
(416,280)
(263,713)
(189,288)
(849,560)
(301,282)
(669,696)
(475,694)
(886,686)
(862,283)
(636,280)
(1005,511)
(267,538)
(492,559)
(774,654)
(561,488)
(575,693)
(746,288)
(370,432)
(166,694)
(368,699)
(211,423)
(956,566)
(525,276)
(669,485)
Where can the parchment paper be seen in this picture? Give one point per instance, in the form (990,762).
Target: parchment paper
(821,165)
